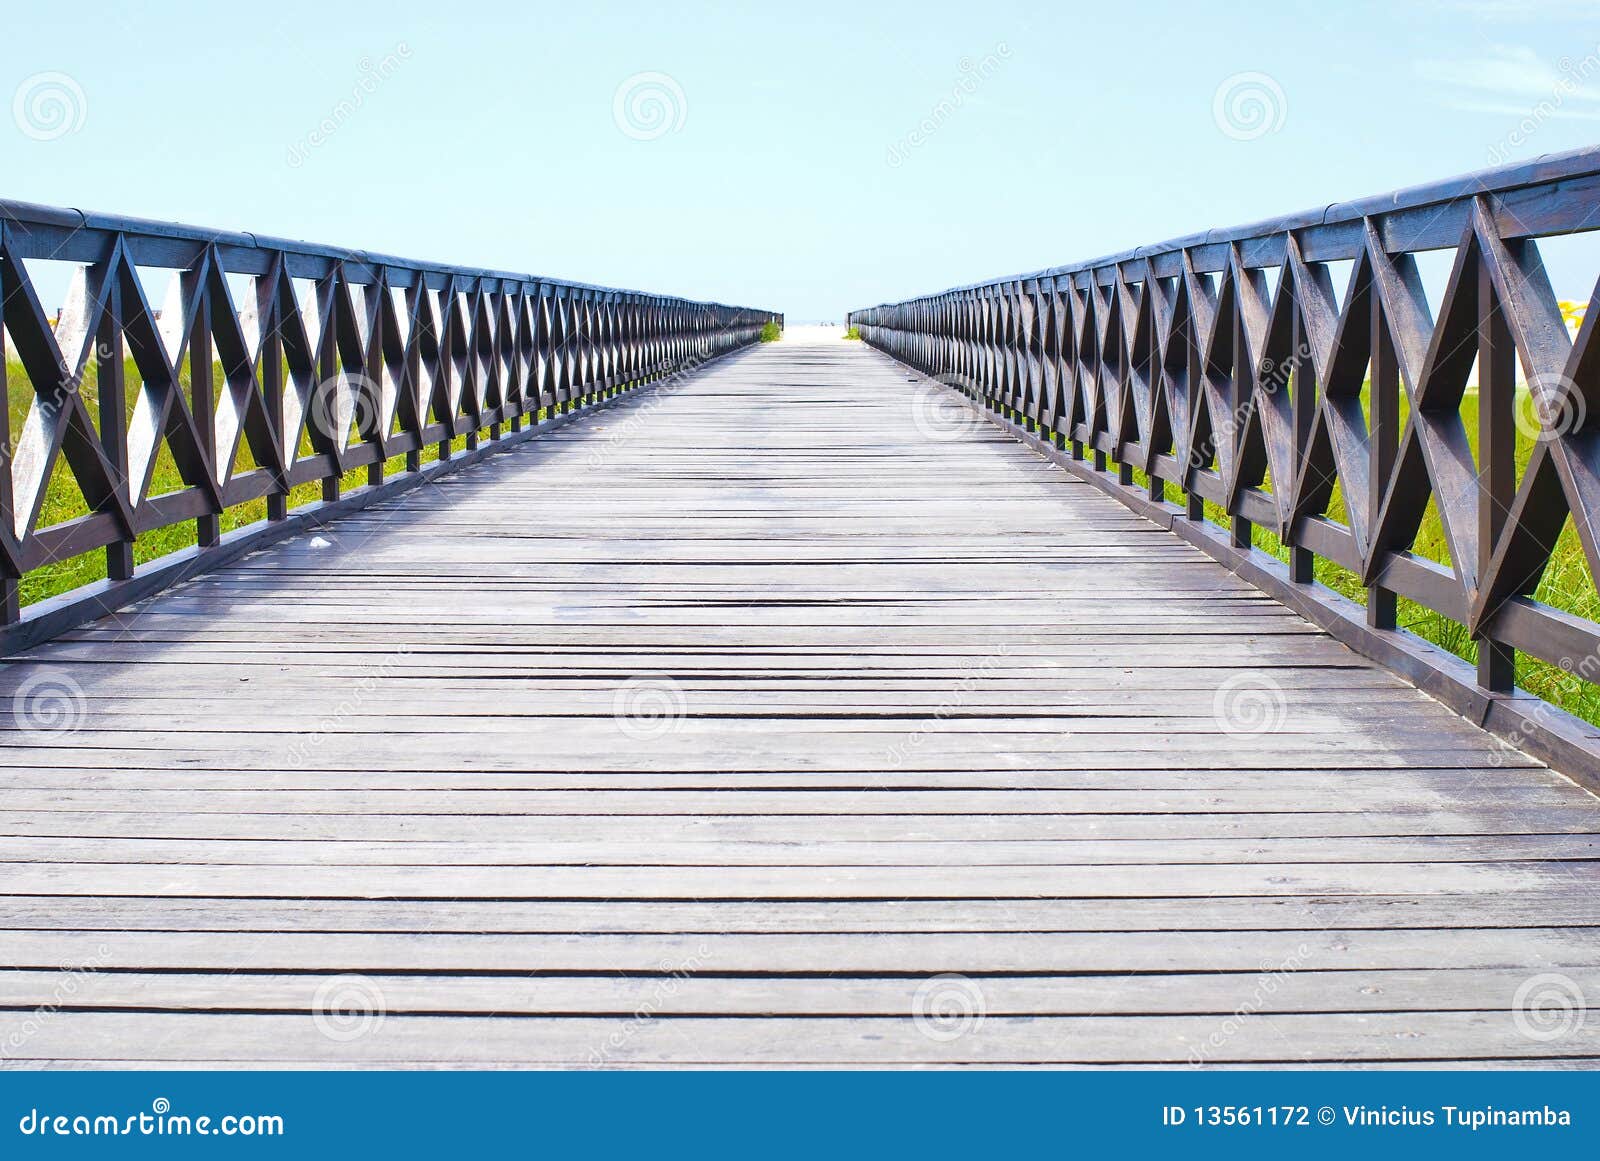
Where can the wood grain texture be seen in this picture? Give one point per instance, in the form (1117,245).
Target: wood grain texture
(783,716)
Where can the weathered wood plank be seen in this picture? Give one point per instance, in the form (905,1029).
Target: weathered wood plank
(1558,907)
(709,994)
(1290,1038)
(802,882)
(805,953)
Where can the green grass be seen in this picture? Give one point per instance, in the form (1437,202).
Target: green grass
(771,332)
(852,333)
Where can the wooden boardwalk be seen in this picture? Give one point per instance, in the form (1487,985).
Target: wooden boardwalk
(756,721)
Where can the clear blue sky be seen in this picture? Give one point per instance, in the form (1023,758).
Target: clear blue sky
(789,179)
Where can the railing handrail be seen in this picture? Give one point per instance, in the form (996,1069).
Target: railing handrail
(1540,172)
(22,213)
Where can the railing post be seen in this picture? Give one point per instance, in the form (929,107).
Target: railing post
(272,388)
(521,358)
(113,391)
(10,599)
(1384,405)
(472,386)
(1496,458)
(411,382)
(1123,374)
(1302,381)
(1243,382)
(375,301)
(202,395)
(327,375)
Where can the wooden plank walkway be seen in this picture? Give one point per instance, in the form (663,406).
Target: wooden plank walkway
(749,723)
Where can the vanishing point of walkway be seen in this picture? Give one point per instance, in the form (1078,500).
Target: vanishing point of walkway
(775,716)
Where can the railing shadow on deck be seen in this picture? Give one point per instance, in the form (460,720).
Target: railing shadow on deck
(1227,369)
(272,367)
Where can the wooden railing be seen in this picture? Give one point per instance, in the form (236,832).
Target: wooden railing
(273,365)
(1226,369)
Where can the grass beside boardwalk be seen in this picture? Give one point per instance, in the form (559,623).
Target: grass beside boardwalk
(852,333)
(771,332)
